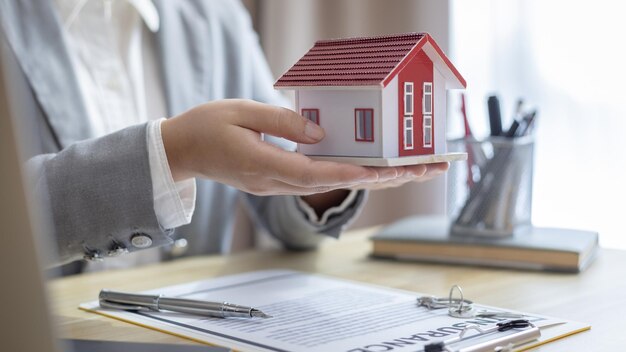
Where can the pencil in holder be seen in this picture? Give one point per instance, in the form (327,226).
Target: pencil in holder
(491,194)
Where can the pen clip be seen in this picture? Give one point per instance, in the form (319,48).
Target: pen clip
(122,306)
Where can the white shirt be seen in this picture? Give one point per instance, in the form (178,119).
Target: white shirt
(120,86)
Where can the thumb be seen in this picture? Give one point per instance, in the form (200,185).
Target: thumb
(279,122)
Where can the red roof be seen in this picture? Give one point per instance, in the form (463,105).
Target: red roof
(363,61)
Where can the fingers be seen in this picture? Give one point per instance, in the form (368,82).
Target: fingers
(401,176)
(299,170)
(439,167)
(416,170)
(308,176)
(406,174)
(277,121)
(280,188)
(434,170)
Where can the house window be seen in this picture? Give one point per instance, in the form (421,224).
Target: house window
(312,114)
(408,132)
(407,126)
(408,98)
(427,98)
(428,130)
(364,125)
(427,110)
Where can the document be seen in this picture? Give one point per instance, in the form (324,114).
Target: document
(316,313)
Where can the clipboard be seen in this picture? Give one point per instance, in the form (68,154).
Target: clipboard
(315,313)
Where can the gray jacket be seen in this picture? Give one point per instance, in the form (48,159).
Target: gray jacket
(99,190)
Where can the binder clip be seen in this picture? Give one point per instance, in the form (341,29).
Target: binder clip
(524,332)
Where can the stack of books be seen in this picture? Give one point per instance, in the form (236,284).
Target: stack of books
(429,239)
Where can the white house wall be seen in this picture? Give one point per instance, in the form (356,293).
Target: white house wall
(336,116)
(390,113)
(440,112)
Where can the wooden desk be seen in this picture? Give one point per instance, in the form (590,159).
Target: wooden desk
(597,296)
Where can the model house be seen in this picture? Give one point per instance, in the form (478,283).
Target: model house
(381,100)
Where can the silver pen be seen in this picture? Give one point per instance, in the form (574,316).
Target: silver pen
(157,303)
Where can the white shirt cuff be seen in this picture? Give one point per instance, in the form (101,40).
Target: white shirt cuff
(321,221)
(174,202)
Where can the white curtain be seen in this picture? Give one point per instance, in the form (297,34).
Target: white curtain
(288,28)
(568,59)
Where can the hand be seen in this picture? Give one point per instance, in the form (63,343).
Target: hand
(222,141)
(403,174)
(400,175)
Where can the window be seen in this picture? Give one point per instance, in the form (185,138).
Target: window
(408,132)
(364,125)
(408,98)
(407,127)
(312,114)
(427,110)
(428,131)
(524,61)
(427,99)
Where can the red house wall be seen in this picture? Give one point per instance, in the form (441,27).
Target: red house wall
(418,70)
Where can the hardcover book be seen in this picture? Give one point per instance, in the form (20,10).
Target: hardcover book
(428,239)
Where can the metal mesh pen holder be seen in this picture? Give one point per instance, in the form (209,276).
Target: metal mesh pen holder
(493,190)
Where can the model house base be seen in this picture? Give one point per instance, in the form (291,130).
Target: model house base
(399,161)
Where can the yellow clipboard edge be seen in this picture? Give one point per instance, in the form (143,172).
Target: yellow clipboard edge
(153,328)
(547,341)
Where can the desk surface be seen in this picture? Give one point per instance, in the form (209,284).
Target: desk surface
(597,296)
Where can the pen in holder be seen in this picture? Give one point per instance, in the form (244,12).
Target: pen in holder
(491,194)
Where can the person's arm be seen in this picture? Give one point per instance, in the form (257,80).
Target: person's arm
(99,194)
(222,141)
(295,215)
(296,221)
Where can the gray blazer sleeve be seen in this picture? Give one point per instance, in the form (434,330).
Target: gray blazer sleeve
(99,193)
(281,217)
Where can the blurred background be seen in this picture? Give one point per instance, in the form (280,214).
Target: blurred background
(562,57)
